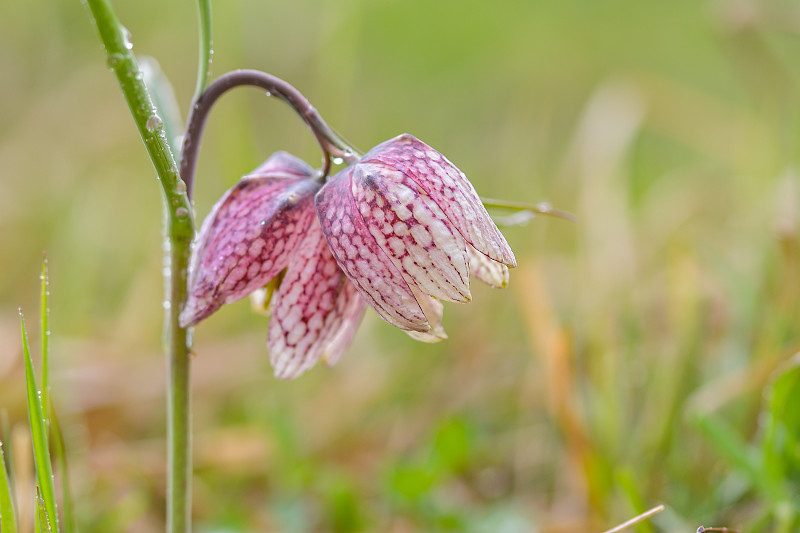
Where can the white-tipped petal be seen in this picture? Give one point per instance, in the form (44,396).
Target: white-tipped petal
(338,339)
(433,310)
(487,270)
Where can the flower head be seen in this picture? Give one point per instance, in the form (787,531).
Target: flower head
(401,230)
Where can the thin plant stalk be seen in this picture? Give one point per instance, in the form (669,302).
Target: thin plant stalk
(636,519)
(204,46)
(180,232)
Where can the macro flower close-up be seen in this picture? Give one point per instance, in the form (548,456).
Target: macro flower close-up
(401,230)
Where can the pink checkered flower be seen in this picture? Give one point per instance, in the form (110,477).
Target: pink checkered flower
(402,230)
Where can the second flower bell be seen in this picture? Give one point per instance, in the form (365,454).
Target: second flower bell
(401,230)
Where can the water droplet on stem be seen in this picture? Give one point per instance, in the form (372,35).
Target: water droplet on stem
(154,123)
(126,39)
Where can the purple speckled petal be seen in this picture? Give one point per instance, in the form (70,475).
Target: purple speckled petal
(282,165)
(449,188)
(309,307)
(351,311)
(413,231)
(487,270)
(362,260)
(246,240)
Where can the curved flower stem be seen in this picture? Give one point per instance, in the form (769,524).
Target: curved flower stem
(180,231)
(330,142)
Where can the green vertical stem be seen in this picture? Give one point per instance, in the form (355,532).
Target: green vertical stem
(180,231)
(204,37)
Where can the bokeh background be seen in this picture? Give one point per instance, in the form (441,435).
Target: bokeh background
(629,363)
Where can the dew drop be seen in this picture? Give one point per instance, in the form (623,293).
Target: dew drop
(337,160)
(348,152)
(269,93)
(126,39)
(180,187)
(181,212)
(113,60)
(166,304)
(154,123)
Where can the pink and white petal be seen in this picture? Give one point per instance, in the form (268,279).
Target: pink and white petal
(246,240)
(487,270)
(338,339)
(282,165)
(362,260)
(449,188)
(434,310)
(308,305)
(413,231)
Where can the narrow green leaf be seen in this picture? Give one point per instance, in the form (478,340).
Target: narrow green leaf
(5,436)
(782,433)
(163,95)
(41,524)
(44,313)
(542,208)
(8,519)
(740,456)
(626,480)
(41,455)
(60,456)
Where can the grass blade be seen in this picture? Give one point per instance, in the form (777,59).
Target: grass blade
(44,317)
(5,436)
(60,456)
(8,520)
(742,457)
(41,524)
(41,455)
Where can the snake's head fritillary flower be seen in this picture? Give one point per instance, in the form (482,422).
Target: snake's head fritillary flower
(408,228)
(263,226)
(401,230)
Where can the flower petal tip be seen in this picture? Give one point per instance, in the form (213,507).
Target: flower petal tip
(193,312)
(436,334)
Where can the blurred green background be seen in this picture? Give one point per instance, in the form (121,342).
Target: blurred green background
(631,361)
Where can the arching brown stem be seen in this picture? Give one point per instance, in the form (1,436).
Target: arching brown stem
(331,144)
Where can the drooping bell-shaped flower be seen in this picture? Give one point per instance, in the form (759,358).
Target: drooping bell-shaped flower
(402,230)
(408,228)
